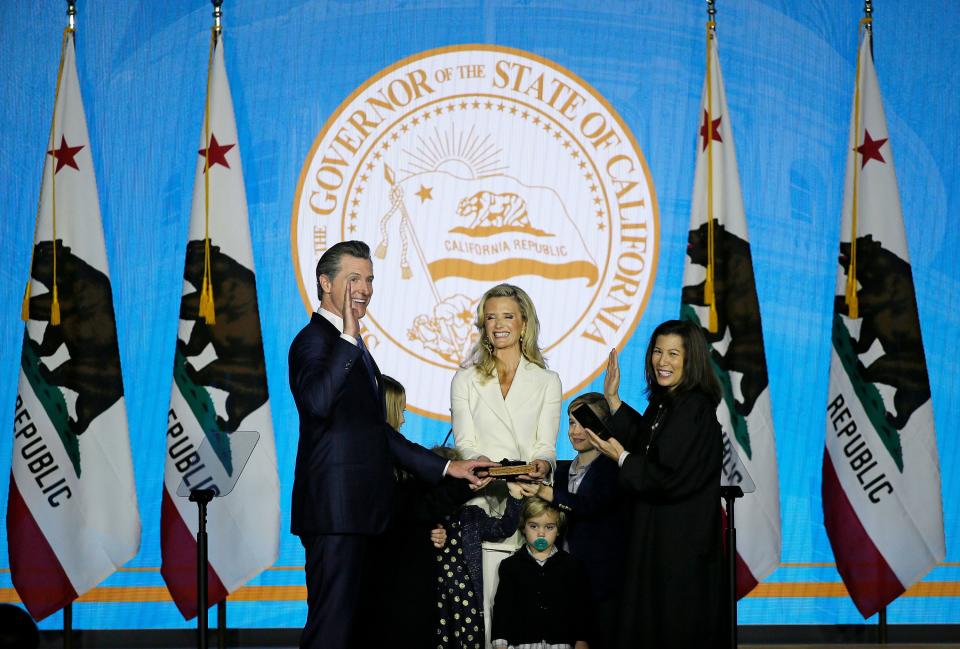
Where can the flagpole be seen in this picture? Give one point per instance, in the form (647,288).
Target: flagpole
(728,493)
(217,14)
(68,609)
(709,287)
(68,626)
(222,605)
(868,26)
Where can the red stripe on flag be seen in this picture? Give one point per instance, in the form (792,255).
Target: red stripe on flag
(36,572)
(865,572)
(746,582)
(178,549)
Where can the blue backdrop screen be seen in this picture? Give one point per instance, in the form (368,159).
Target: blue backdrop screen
(789,74)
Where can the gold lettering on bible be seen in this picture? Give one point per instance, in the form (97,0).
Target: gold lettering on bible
(471,165)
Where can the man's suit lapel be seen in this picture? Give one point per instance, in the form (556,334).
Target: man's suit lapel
(330,330)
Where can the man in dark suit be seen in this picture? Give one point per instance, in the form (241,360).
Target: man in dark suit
(343,480)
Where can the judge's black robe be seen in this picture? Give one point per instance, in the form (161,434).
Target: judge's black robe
(674,586)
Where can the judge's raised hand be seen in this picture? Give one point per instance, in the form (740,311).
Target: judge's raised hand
(612,448)
(351,324)
(465,470)
(611,382)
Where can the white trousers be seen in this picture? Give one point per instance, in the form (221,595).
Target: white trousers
(491,577)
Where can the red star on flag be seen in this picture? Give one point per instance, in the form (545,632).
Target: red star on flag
(870,149)
(715,128)
(216,153)
(65,155)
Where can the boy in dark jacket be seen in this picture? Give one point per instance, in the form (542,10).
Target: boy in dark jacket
(543,594)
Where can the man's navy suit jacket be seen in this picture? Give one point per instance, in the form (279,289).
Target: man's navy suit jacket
(343,480)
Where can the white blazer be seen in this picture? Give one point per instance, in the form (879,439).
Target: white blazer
(522,426)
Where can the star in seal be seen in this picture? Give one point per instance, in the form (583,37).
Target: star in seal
(425,194)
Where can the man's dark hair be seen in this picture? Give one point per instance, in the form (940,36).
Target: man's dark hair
(698,373)
(329,263)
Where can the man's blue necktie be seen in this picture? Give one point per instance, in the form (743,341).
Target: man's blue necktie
(368,361)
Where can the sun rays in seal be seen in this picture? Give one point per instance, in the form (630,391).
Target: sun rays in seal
(463,154)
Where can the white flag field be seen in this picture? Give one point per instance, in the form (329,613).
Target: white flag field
(72,516)
(220,384)
(719,293)
(881,476)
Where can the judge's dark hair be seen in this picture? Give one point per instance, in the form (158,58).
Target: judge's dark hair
(329,263)
(698,372)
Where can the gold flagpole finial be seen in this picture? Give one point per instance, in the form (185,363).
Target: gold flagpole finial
(711,10)
(867,9)
(217,15)
(71,14)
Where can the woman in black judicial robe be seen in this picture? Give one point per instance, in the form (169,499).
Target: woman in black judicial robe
(670,459)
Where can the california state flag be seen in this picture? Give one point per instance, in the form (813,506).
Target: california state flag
(720,294)
(881,475)
(72,516)
(220,383)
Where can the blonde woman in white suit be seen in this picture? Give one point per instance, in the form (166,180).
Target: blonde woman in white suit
(505,404)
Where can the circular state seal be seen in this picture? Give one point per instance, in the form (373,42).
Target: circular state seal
(468,166)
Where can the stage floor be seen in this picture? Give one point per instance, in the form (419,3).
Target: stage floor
(768,637)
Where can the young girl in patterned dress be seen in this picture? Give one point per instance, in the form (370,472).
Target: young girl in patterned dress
(459,569)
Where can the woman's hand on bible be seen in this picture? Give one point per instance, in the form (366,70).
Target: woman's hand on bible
(541,472)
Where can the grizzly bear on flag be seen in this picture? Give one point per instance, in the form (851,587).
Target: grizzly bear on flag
(888,312)
(86,329)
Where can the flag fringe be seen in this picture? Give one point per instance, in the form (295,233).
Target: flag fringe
(55,307)
(207,308)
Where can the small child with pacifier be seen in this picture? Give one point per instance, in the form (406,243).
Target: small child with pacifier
(543,597)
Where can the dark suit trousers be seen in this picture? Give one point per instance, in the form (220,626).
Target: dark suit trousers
(335,587)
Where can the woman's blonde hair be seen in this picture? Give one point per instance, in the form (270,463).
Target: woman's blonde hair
(396,398)
(481,356)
